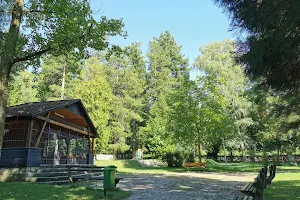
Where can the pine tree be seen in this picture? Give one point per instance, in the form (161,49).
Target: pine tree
(96,94)
(168,69)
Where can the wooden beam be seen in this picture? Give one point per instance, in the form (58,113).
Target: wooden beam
(62,125)
(42,130)
(29,134)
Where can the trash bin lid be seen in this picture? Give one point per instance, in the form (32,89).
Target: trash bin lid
(110,167)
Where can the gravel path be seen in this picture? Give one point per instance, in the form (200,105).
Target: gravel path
(191,186)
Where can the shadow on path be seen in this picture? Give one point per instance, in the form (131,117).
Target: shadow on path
(200,186)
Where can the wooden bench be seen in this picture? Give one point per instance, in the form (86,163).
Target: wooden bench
(243,198)
(196,164)
(272,174)
(255,189)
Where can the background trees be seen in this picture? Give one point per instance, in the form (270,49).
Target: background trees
(270,53)
(149,102)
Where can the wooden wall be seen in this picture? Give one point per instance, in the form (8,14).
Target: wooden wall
(25,157)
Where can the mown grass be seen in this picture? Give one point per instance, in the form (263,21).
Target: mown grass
(33,191)
(131,166)
(285,186)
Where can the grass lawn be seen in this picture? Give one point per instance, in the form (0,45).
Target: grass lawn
(285,186)
(131,166)
(32,191)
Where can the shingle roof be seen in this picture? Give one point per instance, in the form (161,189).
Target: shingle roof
(34,109)
(37,108)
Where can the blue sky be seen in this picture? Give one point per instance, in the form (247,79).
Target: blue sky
(192,22)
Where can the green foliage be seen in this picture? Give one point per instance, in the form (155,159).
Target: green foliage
(270,49)
(215,105)
(23,88)
(167,72)
(126,75)
(56,78)
(48,28)
(190,158)
(96,94)
(174,159)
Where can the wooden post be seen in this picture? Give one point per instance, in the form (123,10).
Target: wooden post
(48,138)
(42,131)
(29,133)
(68,147)
(90,146)
(93,144)
(69,174)
(89,140)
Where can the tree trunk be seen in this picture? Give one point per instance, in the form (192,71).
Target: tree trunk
(243,155)
(62,96)
(3,103)
(6,60)
(134,140)
(224,147)
(200,155)
(278,156)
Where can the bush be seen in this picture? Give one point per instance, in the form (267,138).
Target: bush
(190,158)
(174,159)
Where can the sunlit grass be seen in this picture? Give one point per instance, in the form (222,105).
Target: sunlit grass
(285,186)
(33,191)
(131,166)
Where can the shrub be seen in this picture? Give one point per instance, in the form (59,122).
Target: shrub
(190,158)
(174,159)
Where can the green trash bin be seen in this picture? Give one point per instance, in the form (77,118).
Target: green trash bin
(109,178)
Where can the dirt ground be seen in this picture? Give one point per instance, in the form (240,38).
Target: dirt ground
(194,186)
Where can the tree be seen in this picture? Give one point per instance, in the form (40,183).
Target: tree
(222,84)
(167,72)
(185,120)
(56,79)
(32,28)
(270,50)
(272,130)
(23,88)
(126,74)
(96,95)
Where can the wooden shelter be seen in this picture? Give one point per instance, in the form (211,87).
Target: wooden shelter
(50,132)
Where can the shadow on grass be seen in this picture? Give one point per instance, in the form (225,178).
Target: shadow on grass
(285,186)
(33,191)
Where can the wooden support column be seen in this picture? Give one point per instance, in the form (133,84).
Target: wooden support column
(89,140)
(29,134)
(68,147)
(42,130)
(90,146)
(93,144)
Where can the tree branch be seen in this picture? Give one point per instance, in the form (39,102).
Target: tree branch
(31,55)
(38,11)
(28,11)
(41,52)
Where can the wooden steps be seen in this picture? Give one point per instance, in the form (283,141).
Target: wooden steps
(60,175)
